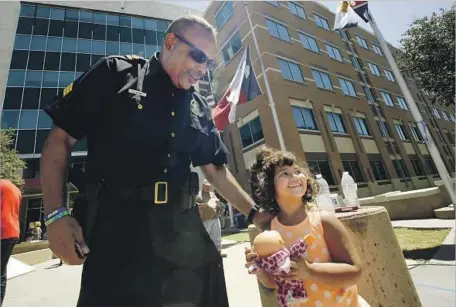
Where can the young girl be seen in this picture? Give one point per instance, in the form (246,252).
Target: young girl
(330,267)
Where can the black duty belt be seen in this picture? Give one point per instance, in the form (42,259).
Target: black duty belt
(156,193)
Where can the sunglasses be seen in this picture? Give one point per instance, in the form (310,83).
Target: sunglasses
(196,54)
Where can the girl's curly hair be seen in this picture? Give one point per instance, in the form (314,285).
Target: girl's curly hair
(261,178)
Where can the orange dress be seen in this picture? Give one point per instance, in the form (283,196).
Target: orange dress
(319,294)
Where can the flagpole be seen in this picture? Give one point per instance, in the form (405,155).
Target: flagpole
(435,154)
(266,82)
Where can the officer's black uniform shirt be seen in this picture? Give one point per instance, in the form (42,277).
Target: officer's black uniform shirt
(129,145)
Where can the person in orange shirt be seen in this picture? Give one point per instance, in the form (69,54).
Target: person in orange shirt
(10,202)
(330,266)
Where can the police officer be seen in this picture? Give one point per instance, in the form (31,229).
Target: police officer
(142,243)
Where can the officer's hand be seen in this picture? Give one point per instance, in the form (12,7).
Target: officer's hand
(63,234)
(262,219)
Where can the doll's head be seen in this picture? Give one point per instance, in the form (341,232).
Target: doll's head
(267,243)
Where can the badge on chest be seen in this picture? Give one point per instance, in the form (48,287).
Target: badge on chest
(195,108)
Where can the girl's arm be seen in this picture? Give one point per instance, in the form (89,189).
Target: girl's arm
(346,268)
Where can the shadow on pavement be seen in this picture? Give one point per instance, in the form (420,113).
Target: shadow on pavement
(444,252)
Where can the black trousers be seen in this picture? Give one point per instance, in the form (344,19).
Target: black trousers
(145,255)
(7,249)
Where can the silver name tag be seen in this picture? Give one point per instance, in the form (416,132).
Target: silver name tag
(135,92)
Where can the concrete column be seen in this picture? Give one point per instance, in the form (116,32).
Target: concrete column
(386,280)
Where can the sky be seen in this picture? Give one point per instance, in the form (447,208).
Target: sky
(393,17)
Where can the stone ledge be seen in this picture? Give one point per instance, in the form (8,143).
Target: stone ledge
(446,213)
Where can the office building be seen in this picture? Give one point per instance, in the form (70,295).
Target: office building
(331,91)
(48,44)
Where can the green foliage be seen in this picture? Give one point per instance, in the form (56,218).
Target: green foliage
(427,52)
(10,165)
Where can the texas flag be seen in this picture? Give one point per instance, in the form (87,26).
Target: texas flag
(244,87)
(360,8)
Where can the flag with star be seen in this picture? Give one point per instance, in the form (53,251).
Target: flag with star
(243,88)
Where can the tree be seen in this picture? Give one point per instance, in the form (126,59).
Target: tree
(427,53)
(11,165)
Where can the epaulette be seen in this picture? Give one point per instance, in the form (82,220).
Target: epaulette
(129,57)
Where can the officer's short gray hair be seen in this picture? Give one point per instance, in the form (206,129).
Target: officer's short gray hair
(180,24)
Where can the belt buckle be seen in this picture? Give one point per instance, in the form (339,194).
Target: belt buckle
(158,186)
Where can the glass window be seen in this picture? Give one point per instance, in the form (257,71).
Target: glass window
(16,78)
(41,136)
(47,95)
(33,78)
(38,43)
(13,97)
(368,93)
(112,48)
(68,62)
(85,30)
(297,10)
(277,30)
(113,20)
(112,33)
(36,60)
(232,47)
(336,123)
(27,10)
(41,26)
(56,28)
(355,62)
(224,14)
(126,48)
(150,24)
(19,59)
(138,49)
(150,50)
(99,18)
(25,25)
(322,79)
(251,132)
(71,15)
(44,121)
(275,3)
(334,53)
(50,79)
(25,141)
(71,29)
(387,98)
(383,127)
(86,16)
(94,59)
(323,168)
(65,79)
(389,75)
(290,71)
(401,131)
(379,170)
(347,87)
(309,42)
(354,169)
(125,35)
(137,23)
(10,119)
(321,22)
(304,118)
(138,36)
(54,44)
(125,21)
(343,35)
(31,98)
(80,145)
(362,42)
(361,126)
(28,119)
(257,130)
(69,45)
(43,12)
(417,167)
(374,69)
(98,47)
(402,103)
(82,62)
(151,37)
(161,25)
(58,14)
(84,46)
(377,49)
(22,41)
(160,37)
(99,32)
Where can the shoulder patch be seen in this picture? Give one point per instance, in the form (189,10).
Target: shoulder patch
(133,57)
(68,89)
(195,107)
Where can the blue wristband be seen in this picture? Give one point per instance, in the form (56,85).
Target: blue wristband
(54,213)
